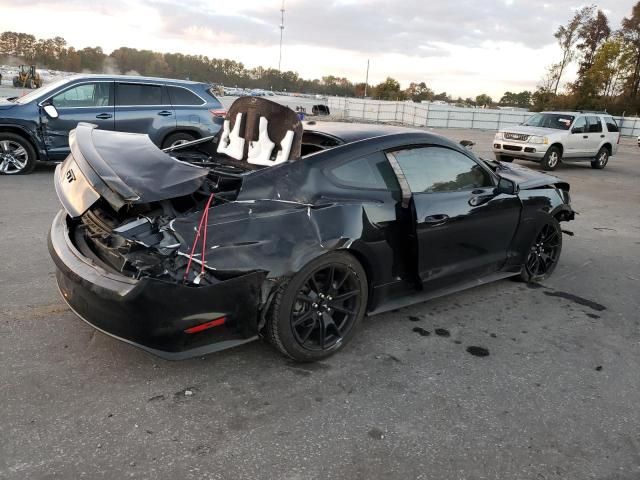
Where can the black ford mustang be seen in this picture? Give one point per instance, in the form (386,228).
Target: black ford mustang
(182,259)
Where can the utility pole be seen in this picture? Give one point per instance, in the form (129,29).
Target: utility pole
(366,82)
(281,31)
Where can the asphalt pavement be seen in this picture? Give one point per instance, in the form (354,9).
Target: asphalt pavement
(556,397)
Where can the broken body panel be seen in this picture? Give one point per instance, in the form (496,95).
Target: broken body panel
(261,227)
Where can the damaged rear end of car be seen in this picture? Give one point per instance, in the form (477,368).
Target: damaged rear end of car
(125,268)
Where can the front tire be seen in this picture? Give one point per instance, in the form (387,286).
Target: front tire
(601,160)
(552,159)
(316,312)
(17,156)
(544,253)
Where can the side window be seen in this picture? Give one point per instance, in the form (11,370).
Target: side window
(594,124)
(369,172)
(580,126)
(439,169)
(182,96)
(134,94)
(612,126)
(85,95)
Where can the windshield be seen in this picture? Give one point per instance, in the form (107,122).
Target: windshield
(550,120)
(42,91)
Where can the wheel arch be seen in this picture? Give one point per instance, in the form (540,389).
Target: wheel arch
(609,147)
(558,146)
(22,132)
(363,260)
(191,131)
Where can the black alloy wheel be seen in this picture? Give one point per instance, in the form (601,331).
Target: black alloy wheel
(316,312)
(544,253)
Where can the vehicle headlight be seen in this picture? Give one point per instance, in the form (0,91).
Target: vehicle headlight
(535,139)
(499,136)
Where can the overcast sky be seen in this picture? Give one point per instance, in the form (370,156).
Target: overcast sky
(459,46)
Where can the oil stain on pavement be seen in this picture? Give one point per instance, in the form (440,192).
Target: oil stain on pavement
(579,300)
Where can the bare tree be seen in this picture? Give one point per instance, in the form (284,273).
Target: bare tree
(567,36)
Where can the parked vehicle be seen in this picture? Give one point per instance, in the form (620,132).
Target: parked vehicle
(27,77)
(182,260)
(554,137)
(36,126)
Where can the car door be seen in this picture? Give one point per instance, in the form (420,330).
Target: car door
(463,229)
(90,102)
(596,135)
(142,107)
(577,141)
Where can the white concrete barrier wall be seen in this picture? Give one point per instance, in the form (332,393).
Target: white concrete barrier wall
(442,116)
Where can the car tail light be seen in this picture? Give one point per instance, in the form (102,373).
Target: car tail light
(218,113)
(204,326)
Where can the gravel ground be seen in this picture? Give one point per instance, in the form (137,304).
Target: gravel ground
(556,398)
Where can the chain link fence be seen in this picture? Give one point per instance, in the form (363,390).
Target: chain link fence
(442,116)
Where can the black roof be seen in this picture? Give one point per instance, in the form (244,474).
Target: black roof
(352,132)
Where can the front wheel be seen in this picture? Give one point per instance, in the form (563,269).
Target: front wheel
(17,156)
(601,160)
(316,312)
(544,253)
(551,159)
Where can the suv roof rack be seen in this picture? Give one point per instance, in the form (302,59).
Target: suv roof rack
(593,111)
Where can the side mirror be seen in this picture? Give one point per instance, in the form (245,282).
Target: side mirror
(506,186)
(51,111)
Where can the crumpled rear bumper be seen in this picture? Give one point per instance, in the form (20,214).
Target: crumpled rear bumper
(153,314)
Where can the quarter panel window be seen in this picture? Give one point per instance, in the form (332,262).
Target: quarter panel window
(84,95)
(612,126)
(133,94)
(368,172)
(182,96)
(439,169)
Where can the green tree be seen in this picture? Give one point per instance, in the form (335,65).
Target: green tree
(389,90)
(484,100)
(419,92)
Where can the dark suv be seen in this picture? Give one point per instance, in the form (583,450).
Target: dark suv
(36,126)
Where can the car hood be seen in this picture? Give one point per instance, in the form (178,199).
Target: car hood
(526,178)
(6,104)
(123,168)
(531,130)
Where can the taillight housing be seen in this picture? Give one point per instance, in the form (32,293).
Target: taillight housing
(218,113)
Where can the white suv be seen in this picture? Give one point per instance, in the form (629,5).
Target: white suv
(551,137)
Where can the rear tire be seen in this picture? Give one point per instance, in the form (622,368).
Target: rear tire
(17,155)
(504,158)
(177,138)
(551,159)
(316,312)
(543,253)
(601,160)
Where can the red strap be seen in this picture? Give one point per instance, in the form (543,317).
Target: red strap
(203,223)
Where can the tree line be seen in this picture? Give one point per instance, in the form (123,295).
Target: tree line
(608,64)
(56,54)
(608,69)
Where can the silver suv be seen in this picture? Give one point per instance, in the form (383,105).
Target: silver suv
(552,137)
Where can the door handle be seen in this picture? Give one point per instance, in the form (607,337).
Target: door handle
(602,136)
(165,113)
(104,116)
(436,219)
(585,136)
